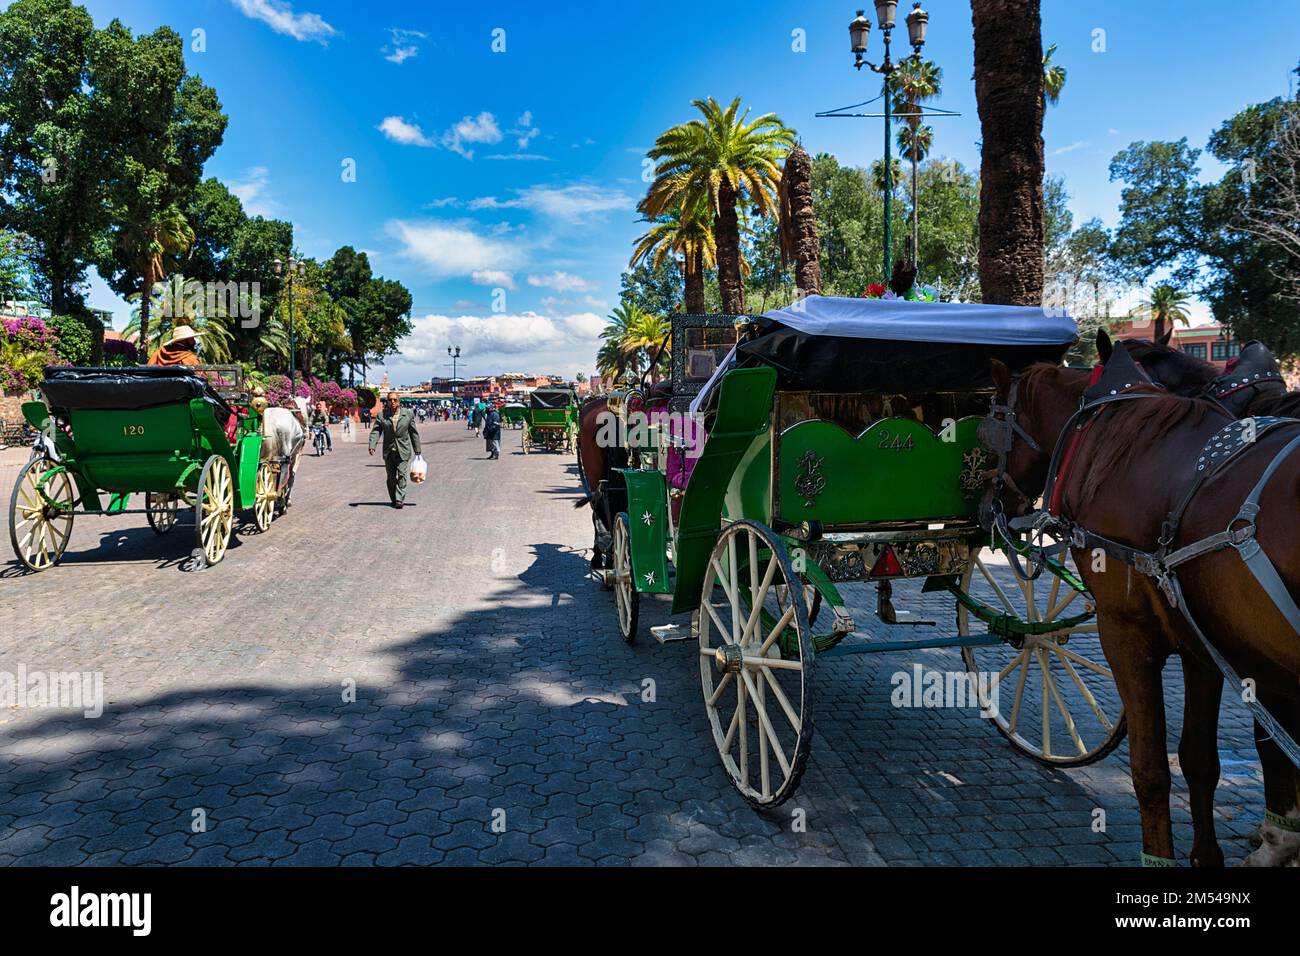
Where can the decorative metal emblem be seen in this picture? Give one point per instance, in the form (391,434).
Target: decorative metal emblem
(974,462)
(648,518)
(649,577)
(811,482)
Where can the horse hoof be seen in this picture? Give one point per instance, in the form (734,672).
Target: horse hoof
(1278,848)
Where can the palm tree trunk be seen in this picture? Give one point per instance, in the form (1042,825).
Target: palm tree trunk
(694,267)
(726,230)
(916,216)
(1009,92)
(798,225)
(145,293)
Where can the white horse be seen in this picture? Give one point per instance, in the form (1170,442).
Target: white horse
(284,436)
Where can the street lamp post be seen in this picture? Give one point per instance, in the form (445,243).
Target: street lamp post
(455,355)
(296,268)
(859,31)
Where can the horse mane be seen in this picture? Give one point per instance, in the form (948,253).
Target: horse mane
(1148,353)
(1128,428)
(1126,425)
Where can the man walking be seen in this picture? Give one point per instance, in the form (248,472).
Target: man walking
(492,432)
(396,425)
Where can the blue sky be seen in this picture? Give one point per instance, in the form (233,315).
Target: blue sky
(519,170)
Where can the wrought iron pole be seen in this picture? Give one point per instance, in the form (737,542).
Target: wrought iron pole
(886,69)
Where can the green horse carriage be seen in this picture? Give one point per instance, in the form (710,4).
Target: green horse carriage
(550,420)
(183,435)
(842,449)
(513,414)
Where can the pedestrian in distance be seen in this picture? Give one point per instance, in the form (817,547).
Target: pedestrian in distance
(478,420)
(401,443)
(492,433)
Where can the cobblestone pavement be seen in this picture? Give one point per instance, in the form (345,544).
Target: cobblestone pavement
(491,691)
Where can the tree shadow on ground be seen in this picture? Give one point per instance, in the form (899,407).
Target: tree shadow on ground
(520,732)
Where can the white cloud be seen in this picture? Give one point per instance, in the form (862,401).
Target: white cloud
(573,202)
(251,191)
(561,282)
(453,250)
(404,45)
(524,130)
(586,325)
(408,134)
(280,17)
(1077,144)
(493,277)
(472,129)
(440,203)
(526,157)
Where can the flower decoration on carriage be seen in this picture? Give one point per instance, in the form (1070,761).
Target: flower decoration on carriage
(917,293)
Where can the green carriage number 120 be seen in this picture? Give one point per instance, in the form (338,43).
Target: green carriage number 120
(132,429)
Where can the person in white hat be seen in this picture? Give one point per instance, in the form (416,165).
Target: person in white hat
(180,348)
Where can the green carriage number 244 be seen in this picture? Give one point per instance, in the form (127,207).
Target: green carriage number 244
(894,442)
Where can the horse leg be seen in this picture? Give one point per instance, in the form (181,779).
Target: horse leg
(1141,688)
(1198,754)
(1279,834)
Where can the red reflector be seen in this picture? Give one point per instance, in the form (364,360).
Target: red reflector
(887,566)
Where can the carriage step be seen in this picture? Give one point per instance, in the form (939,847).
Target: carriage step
(665,633)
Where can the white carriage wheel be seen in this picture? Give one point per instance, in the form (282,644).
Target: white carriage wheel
(1052,694)
(756,679)
(265,496)
(214,509)
(160,510)
(626,596)
(40,525)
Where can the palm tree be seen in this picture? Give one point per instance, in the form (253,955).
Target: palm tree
(146,245)
(878,174)
(649,338)
(915,82)
(610,360)
(182,303)
(690,235)
(1009,92)
(1053,77)
(726,159)
(1164,305)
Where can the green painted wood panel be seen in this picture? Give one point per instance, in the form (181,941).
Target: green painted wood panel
(744,415)
(896,470)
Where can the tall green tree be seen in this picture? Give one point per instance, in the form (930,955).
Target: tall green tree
(53,152)
(165,125)
(729,159)
(216,216)
(1195,234)
(347,273)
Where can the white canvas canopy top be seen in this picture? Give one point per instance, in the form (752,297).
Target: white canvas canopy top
(900,320)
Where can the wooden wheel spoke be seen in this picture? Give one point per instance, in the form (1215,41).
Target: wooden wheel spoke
(765,725)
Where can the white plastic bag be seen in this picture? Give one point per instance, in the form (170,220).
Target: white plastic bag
(419,469)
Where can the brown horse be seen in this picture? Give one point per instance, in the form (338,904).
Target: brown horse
(1127,472)
(597,467)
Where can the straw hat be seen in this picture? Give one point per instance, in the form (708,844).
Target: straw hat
(183,332)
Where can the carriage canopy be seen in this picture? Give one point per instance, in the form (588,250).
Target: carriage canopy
(823,343)
(544,398)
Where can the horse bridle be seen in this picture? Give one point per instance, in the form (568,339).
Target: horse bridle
(998,432)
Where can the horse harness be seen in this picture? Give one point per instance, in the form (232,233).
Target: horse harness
(1222,450)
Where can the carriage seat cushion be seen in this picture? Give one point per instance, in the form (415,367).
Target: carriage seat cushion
(128,389)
